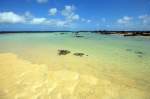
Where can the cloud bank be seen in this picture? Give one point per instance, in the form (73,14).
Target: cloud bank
(42,1)
(124,20)
(11,17)
(52,11)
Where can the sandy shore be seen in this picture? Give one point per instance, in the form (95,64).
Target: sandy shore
(21,79)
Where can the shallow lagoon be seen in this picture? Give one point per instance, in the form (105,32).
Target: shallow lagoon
(113,67)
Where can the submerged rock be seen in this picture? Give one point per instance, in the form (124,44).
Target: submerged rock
(79,54)
(128,49)
(138,33)
(138,52)
(62,33)
(63,52)
(140,56)
(78,36)
(76,33)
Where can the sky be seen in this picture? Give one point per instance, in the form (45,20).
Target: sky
(57,15)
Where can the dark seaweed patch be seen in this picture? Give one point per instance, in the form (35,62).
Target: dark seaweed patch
(128,49)
(79,54)
(63,52)
(62,33)
(138,52)
(140,56)
(78,36)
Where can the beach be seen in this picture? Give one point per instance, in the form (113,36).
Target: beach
(96,66)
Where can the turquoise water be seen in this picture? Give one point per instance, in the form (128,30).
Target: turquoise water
(108,55)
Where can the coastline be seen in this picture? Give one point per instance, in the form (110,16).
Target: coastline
(123,33)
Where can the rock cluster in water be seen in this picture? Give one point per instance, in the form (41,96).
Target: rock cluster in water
(78,54)
(62,33)
(125,33)
(78,35)
(65,52)
(138,53)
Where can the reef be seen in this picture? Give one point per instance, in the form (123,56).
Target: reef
(125,33)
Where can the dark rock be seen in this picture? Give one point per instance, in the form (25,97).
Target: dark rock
(136,34)
(63,52)
(62,33)
(138,52)
(76,32)
(130,34)
(79,54)
(79,36)
(145,34)
(128,49)
(140,56)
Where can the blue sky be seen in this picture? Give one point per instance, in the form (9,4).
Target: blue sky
(74,15)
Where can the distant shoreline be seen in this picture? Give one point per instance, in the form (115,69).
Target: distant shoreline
(67,31)
(124,33)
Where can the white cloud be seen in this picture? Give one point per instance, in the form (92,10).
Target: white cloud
(49,22)
(88,21)
(39,21)
(61,23)
(75,17)
(124,20)
(68,18)
(11,17)
(69,13)
(145,19)
(53,11)
(68,10)
(42,1)
(28,14)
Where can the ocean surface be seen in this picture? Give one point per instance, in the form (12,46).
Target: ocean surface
(112,67)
